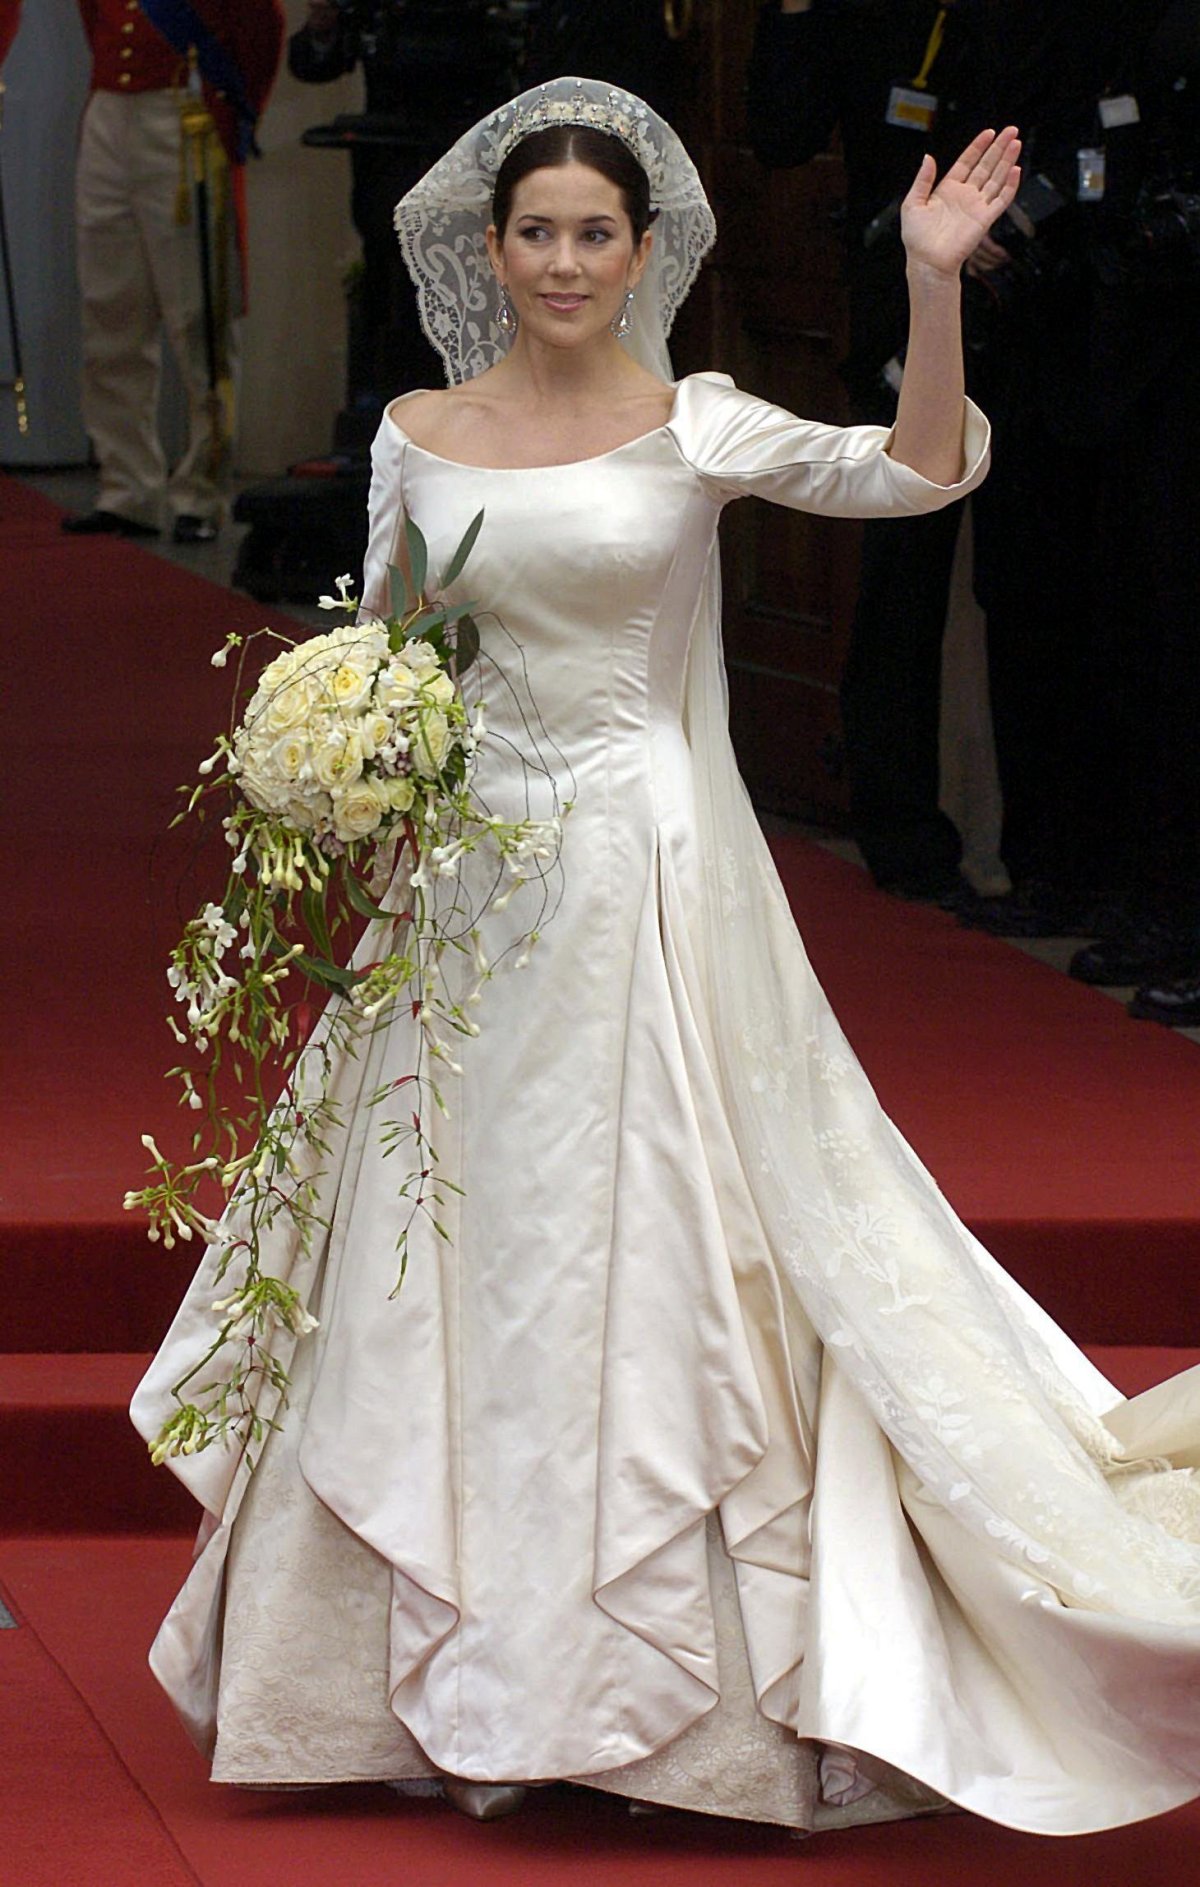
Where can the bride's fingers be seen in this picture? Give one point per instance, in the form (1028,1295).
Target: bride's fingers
(1002,176)
(998,158)
(986,156)
(922,184)
(965,165)
(1007,194)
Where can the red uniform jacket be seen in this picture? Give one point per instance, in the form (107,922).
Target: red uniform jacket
(10,19)
(130,55)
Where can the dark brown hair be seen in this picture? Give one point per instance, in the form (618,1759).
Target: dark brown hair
(575,144)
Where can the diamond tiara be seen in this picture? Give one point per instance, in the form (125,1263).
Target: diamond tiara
(618,113)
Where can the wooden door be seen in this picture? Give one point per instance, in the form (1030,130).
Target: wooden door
(770,310)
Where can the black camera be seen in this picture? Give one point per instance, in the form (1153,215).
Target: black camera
(1163,238)
(1027,231)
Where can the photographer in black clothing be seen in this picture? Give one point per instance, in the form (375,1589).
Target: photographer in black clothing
(430,69)
(1089,566)
(888,75)
(625,42)
(1082,327)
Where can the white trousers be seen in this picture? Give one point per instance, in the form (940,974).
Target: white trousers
(139,273)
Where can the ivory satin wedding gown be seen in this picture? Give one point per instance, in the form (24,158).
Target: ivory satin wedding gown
(712,1461)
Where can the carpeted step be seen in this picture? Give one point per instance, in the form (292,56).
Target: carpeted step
(363,1834)
(71,1463)
(1062,1132)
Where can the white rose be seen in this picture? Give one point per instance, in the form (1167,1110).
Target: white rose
(306,813)
(289,754)
(261,789)
(286,665)
(363,642)
(286,707)
(418,655)
(358,810)
(350,684)
(400,792)
(338,760)
(397,685)
(439,689)
(375,731)
(430,743)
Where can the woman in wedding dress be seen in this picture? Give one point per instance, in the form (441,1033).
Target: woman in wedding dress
(711,1461)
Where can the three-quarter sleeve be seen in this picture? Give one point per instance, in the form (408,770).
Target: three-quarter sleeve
(385,512)
(741,447)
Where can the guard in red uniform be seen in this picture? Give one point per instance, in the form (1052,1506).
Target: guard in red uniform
(10,19)
(177,86)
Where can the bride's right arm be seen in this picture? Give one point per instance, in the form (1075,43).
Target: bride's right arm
(385,519)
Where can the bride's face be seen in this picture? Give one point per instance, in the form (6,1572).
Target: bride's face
(567,256)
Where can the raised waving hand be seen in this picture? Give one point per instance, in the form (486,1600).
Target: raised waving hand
(943,223)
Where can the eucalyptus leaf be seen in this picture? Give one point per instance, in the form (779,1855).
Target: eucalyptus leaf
(466,643)
(357,898)
(454,567)
(313,907)
(418,556)
(327,974)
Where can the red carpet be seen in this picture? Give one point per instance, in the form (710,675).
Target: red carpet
(93,1604)
(1063,1132)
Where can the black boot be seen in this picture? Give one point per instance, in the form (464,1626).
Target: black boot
(1173,1001)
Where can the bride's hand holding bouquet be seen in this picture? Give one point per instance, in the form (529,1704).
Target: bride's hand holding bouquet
(346,793)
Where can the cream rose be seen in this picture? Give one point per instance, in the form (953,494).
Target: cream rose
(304,814)
(418,655)
(439,689)
(397,685)
(262,788)
(358,810)
(400,792)
(285,707)
(350,684)
(338,760)
(362,641)
(430,742)
(289,754)
(375,731)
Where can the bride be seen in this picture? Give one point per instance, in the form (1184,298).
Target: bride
(711,1461)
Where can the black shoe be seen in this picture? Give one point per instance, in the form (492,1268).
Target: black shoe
(949,890)
(1133,953)
(192,530)
(107,524)
(1039,912)
(1175,1003)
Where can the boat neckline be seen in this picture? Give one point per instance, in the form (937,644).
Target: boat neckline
(561,465)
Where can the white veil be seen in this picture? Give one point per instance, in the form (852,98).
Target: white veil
(443,219)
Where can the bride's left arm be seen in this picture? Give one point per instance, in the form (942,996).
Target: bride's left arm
(943,224)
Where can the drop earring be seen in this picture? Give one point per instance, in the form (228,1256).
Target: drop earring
(622,322)
(506,314)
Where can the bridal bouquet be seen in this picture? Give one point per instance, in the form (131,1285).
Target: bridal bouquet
(345,790)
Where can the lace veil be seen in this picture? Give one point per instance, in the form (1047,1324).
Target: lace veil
(443,219)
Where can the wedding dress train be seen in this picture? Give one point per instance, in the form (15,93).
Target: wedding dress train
(712,1460)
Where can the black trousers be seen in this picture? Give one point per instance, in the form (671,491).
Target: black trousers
(1088,566)
(891,700)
